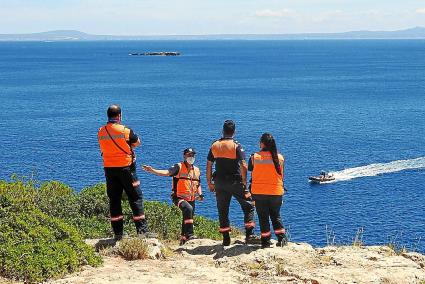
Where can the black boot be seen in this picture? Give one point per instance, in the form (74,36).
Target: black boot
(182,240)
(265,242)
(141,226)
(226,239)
(282,240)
(118,228)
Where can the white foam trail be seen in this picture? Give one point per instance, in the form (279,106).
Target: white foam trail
(379,169)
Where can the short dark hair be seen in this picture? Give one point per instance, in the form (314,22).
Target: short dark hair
(113,111)
(229,127)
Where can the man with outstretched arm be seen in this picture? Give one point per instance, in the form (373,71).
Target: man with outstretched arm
(186,189)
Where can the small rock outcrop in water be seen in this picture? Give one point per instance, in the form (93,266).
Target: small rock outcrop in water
(162,53)
(206,261)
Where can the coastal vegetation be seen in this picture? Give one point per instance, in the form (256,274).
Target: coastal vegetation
(44,225)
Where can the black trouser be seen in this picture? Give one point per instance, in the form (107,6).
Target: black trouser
(224,191)
(188,210)
(117,180)
(268,206)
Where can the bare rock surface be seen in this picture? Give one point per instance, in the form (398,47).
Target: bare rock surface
(206,261)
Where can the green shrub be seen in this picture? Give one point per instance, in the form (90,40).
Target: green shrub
(208,229)
(33,245)
(93,201)
(58,200)
(43,226)
(163,219)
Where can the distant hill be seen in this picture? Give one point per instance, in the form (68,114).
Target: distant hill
(71,35)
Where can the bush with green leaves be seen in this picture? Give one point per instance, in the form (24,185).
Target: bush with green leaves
(163,219)
(33,245)
(43,227)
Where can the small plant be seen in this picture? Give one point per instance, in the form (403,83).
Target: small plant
(288,232)
(330,236)
(133,249)
(396,244)
(280,269)
(358,238)
(416,244)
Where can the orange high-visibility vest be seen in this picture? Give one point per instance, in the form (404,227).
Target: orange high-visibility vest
(265,179)
(118,154)
(186,183)
(224,148)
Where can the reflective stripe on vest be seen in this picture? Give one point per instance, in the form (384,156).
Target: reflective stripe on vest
(112,155)
(187,182)
(265,179)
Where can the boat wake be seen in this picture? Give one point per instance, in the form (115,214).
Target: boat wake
(379,169)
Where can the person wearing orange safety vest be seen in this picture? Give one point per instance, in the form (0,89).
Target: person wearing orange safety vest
(186,188)
(229,180)
(116,143)
(267,189)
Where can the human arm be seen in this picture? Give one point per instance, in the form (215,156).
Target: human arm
(199,194)
(134,139)
(136,144)
(210,162)
(240,155)
(209,176)
(243,167)
(162,173)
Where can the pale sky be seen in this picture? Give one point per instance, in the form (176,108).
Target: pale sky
(191,17)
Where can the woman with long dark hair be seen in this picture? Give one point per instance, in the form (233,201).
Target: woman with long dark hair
(267,189)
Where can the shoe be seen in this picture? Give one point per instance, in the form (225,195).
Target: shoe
(252,240)
(265,243)
(282,241)
(147,235)
(192,237)
(226,239)
(119,237)
(182,240)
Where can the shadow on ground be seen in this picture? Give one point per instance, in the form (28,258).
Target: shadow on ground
(104,243)
(239,248)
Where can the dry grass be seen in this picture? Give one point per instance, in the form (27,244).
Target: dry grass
(133,249)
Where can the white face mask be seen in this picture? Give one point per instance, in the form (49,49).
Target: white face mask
(190,160)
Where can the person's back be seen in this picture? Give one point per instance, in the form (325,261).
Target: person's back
(267,188)
(116,143)
(227,154)
(230,180)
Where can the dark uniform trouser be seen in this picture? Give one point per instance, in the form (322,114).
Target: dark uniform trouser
(188,210)
(224,192)
(268,206)
(117,180)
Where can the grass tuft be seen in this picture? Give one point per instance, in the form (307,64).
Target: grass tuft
(133,249)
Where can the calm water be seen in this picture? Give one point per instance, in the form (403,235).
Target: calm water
(334,105)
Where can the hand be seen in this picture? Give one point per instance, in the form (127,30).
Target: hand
(147,168)
(211,186)
(200,197)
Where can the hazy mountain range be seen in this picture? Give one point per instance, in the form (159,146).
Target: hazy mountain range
(70,35)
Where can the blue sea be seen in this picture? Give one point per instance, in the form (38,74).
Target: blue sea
(355,108)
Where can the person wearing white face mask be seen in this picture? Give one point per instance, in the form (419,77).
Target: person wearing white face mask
(185,190)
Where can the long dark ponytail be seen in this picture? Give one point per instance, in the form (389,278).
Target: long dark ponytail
(270,145)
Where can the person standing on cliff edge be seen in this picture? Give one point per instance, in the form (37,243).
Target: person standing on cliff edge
(230,180)
(186,189)
(267,179)
(116,143)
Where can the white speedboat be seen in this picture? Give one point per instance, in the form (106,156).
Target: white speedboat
(323,177)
